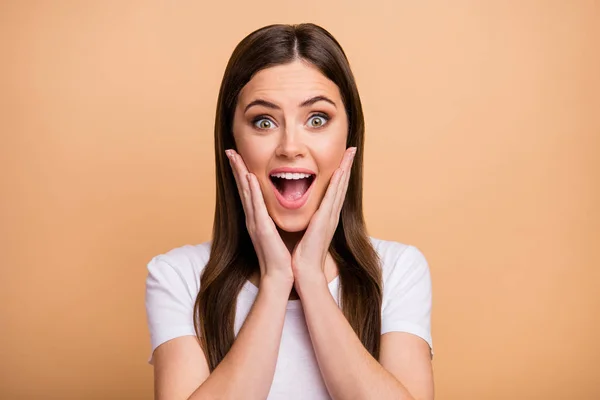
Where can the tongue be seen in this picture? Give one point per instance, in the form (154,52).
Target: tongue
(293,189)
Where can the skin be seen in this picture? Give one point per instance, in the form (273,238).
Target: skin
(292,249)
(312,137)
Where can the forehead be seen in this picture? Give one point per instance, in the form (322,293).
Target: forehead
(293,82)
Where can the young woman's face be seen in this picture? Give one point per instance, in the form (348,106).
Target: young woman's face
(273,129)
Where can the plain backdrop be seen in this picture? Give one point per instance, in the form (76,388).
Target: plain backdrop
(482,144)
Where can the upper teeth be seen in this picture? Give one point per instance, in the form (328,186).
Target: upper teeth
(289,175)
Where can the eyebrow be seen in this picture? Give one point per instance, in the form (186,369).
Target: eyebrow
(306,103)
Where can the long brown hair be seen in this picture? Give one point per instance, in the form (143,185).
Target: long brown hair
(232,258)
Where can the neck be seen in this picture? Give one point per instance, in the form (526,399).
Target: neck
(290,238)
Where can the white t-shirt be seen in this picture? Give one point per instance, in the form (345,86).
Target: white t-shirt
(173,283)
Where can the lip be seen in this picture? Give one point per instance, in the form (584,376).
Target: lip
(291,170)
(292,204)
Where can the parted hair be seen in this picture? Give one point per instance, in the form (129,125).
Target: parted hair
(232,258)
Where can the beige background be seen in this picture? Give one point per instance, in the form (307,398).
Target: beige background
(483,135)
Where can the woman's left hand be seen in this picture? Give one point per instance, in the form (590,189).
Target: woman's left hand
(309,255)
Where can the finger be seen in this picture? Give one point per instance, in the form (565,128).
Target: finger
(240,162)
(348,158)
(260,208)
(234,170)
(242,183)
(243,175)
(329,198)
(332,190)
(341,194)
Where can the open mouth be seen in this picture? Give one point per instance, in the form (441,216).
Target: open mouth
(292,186)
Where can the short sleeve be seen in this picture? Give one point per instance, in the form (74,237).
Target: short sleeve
(407,296)
(169,303)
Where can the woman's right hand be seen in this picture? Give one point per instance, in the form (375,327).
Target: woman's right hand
(273,256)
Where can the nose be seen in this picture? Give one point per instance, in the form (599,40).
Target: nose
(291,144)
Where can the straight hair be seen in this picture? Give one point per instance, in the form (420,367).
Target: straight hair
(232,258)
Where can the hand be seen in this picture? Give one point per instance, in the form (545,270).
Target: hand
(273,256)
(309,255)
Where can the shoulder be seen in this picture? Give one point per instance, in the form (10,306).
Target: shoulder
(399,260)
(407,291)
(186,262)
(172,285)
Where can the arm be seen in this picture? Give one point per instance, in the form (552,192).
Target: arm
(349,370)
(248,368)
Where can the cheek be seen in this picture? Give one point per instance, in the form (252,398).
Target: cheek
(253,152)
(329,151)
(254,157)
(329,154)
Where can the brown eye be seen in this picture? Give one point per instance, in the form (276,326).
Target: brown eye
(263,123)
(317,121)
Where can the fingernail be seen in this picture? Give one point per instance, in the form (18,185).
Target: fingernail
(353,151)
(228,154)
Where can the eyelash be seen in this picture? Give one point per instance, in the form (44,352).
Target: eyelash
(318,114)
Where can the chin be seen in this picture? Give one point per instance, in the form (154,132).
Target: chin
(292,223)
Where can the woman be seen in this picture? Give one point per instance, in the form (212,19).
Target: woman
(291,299)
